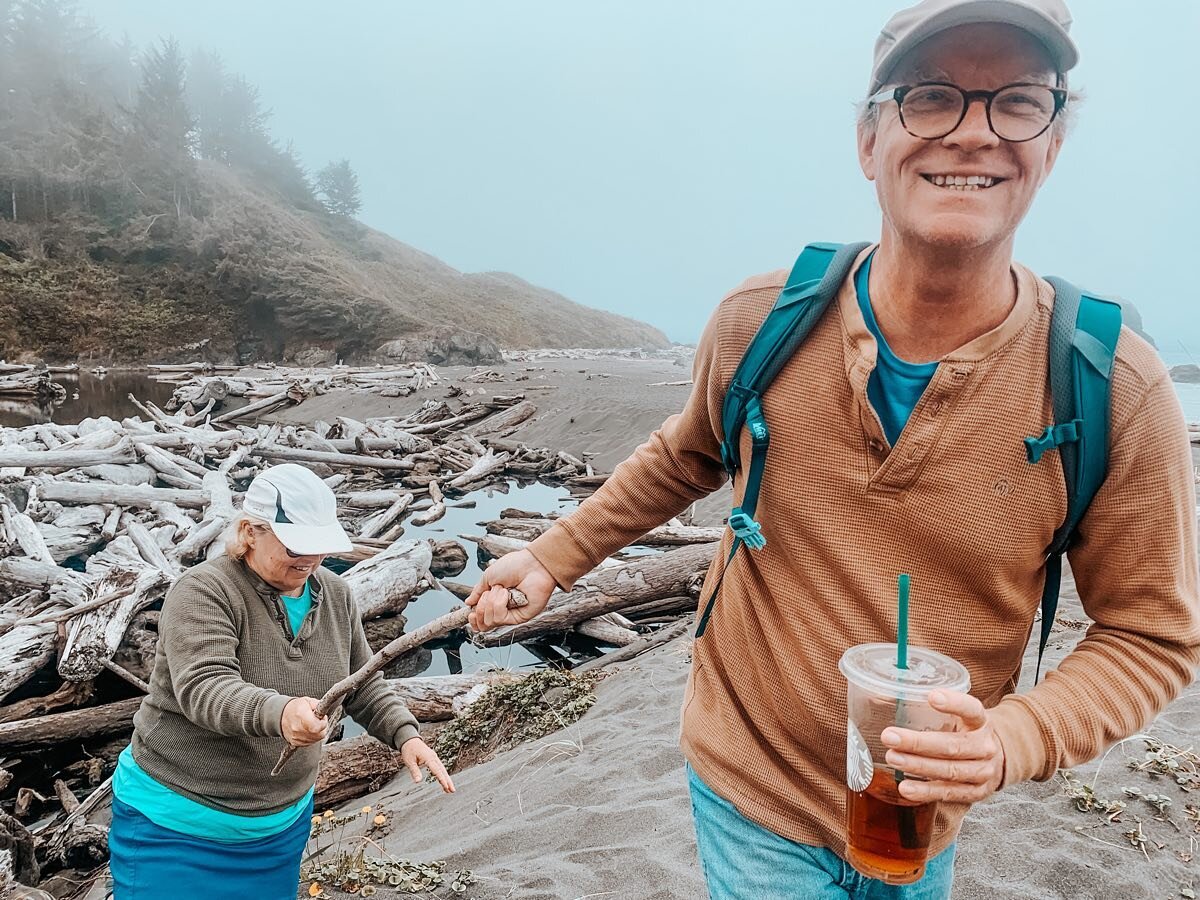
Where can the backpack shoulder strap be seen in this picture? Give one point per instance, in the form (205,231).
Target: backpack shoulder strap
(814,281)
(1084,330)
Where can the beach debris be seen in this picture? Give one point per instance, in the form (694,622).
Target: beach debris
(198,389)
(1166,760)
(676,352)
(352,870)
(513,713)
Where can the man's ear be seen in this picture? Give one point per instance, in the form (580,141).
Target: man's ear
(1055,145)
(866,148)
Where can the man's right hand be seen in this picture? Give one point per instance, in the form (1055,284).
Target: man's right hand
(521,570)
(300,723)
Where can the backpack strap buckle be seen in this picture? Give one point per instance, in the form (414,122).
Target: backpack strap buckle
(746,529)
(1052,438)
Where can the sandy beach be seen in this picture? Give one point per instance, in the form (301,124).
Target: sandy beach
(600,808)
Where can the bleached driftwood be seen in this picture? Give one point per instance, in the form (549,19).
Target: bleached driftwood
(604,590)
(121,495)
(93,637)
(383,584)
(24,650)
(381,522)
(435,512)
(486,465)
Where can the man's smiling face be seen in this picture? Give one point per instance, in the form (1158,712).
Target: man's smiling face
(969,189)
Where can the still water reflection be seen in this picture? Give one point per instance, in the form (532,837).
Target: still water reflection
(89,396)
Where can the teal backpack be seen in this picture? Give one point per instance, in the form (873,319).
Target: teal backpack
(1083,340)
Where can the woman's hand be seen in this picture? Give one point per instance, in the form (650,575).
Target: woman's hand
(300,723)
(417,754)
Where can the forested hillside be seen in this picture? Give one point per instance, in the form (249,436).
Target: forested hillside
(145,208)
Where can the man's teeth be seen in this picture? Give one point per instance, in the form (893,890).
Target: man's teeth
(962,182)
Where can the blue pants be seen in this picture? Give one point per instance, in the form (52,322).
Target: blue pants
(149,862)
(744,861)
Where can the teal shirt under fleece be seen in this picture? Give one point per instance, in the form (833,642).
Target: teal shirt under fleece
(895,385)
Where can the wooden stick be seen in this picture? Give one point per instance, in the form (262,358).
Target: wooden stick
(127,675)
(662,636)
(443,625)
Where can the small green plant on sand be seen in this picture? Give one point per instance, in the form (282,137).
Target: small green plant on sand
(352,870)
(511,714)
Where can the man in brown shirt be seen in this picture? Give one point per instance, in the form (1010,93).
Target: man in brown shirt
(867,477)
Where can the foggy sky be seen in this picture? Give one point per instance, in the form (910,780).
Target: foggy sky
(645,157)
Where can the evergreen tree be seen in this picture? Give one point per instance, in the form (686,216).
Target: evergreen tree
(165,125)
(162,109)
(338,185)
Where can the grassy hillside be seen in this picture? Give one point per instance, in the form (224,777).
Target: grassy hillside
(262,280)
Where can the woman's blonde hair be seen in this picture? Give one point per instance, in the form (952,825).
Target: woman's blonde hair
(237,535)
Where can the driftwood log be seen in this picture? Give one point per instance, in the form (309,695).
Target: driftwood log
(94,721)
(94,636)
(385,583)
(122,495)
(610,589)
(350,769)
(24,651)
(436,698)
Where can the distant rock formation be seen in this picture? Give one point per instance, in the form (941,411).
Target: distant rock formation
(447,347)
(1186,374)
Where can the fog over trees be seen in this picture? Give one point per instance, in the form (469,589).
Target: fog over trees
(101,127)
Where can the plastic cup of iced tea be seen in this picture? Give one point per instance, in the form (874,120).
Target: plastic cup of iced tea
(889,835)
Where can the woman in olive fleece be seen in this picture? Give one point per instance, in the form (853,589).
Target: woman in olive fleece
(246,642)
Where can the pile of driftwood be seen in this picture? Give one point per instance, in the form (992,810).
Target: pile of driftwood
(98,519)
(204,389)
(678,352)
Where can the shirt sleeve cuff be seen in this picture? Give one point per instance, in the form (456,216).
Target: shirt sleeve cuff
(562,556)
(271,713)
(1021,736)
(404,734)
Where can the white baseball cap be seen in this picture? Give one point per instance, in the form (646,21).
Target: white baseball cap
(299,507)
(1047,20)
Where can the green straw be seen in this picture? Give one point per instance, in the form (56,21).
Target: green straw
(906,821)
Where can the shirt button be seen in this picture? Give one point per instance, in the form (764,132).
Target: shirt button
(875,445)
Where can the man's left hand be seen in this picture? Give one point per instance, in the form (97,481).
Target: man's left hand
(961,766)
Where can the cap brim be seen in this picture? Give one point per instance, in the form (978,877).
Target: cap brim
(1001,12)
(311,540)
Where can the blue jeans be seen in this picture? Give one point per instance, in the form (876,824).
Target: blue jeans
(744,861)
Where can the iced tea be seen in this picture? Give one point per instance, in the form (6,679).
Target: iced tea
(888,835)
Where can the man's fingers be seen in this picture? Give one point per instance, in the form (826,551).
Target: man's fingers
(969,709)
(943,791)
(959,771)
(414,769)
(941,744)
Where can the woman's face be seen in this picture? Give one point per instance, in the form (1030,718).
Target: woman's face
(270,559)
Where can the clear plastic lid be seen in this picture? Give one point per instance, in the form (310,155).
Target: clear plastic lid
(873,667)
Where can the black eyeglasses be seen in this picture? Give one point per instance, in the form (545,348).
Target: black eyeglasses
(1015,113)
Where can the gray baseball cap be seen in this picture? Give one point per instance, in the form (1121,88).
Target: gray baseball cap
(1047,20)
